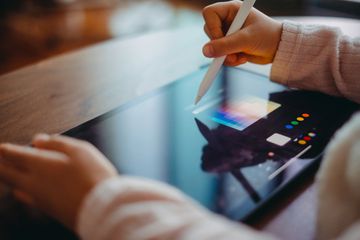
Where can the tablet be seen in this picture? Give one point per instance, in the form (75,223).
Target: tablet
(247,139)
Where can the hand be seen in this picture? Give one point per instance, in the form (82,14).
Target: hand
(55,175)
(256,42)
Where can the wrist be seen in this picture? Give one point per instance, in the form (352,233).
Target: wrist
(277,32)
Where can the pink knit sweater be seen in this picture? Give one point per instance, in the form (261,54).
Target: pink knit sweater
(318,58)
(309,57)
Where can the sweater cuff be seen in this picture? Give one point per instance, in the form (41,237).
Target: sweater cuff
(94,205)
(112,193)
(288,49)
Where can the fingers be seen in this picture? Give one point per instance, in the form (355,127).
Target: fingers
(218,17)
(71,147)
(57,143)
(16,156)
(24,197)
(233,60)
(213,26)
(234,43)
(11,176)
(206,30)
(18,164)
(27,158)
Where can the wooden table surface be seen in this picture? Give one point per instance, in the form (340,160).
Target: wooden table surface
(58,94)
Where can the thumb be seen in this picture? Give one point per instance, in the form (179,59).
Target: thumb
(234,43)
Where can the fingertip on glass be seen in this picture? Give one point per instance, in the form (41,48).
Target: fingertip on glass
(42,137)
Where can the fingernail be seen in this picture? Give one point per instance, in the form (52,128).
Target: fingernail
(41,137)
(208,51)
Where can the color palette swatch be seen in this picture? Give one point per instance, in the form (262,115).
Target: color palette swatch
(297,121)
(305,138)
(242,113)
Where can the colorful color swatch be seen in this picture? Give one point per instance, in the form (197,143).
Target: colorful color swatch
(241,114)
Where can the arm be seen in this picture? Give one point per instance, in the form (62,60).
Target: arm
(304,56)
(101,204)
(134,208)
(338,180)
(318,58)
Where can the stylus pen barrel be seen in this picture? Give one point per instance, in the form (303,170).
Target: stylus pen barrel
(209,77)
(236,25)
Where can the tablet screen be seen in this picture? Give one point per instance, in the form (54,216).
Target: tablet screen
(247,137)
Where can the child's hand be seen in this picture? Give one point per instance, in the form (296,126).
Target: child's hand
(55,175)
(256,42)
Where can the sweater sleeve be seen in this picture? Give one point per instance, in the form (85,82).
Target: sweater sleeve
(134,208)
(318,58)
(338,180)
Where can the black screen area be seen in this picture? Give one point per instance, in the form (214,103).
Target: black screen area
(247,137)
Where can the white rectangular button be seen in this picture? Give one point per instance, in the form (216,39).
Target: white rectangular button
(278,139)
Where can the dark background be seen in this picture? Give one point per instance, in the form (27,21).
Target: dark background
(32,30)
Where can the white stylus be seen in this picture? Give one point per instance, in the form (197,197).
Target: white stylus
(215,66)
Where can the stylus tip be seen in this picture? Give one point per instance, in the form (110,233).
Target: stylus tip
(198,98)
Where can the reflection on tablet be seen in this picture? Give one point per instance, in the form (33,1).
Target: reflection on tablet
(241,113)
(250,137)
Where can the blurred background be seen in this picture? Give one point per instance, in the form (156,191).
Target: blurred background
(33,30)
